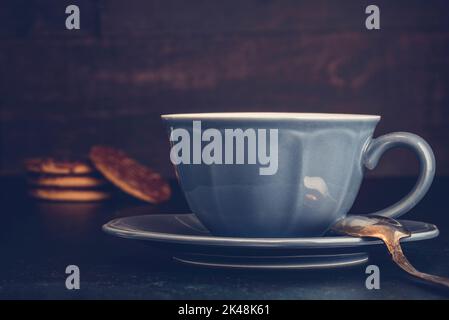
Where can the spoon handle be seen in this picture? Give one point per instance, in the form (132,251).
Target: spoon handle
(394,247)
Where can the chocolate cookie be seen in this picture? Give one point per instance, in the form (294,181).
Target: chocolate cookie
(74,195)
(66,181)
(55,166)
(129,175)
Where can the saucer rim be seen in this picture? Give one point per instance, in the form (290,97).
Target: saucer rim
(309,116)
(364,258)
(210,240)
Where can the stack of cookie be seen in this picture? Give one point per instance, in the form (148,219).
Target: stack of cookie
(62,180)
(65,180)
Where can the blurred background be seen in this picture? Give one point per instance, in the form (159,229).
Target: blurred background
(62,91)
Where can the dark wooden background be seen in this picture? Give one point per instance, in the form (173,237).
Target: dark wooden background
(62,91)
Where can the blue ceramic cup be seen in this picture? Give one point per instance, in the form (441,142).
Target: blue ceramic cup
(310,179)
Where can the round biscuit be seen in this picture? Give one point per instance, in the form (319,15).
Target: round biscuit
(68,195)
(55,166)
(66,181)
(129,175)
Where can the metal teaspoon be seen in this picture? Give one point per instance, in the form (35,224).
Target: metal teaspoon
(390,232)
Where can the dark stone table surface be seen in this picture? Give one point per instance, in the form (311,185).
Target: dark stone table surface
(39,239)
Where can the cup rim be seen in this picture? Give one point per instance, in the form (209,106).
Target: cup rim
(272,116)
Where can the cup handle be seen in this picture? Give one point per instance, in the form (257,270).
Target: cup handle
(376,148)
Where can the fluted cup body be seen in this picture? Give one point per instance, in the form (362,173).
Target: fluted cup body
(319,172)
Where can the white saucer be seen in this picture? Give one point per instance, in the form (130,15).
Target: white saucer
(192,243)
